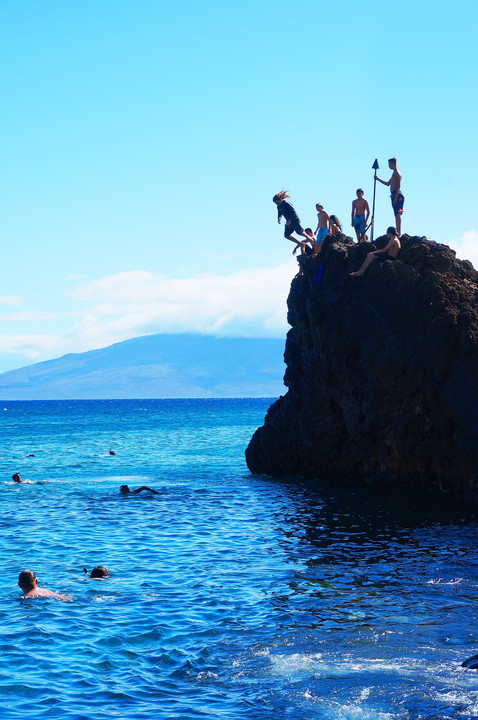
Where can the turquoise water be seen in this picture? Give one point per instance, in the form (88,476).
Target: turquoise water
(231,596)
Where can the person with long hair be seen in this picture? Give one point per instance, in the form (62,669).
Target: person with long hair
(292,221)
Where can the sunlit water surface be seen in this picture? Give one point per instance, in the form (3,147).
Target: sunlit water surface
(230,596)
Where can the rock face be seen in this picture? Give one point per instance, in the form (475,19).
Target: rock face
(382,371)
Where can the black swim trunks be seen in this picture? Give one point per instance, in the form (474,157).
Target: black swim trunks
(294,226)
(397,204)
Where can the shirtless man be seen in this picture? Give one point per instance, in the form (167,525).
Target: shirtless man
(389,252)
(322,226)
(396,195)
(360,215)
(28,582)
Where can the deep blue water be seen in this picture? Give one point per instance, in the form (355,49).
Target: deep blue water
(230,596)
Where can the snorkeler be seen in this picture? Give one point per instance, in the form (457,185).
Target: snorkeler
(126,491)
(98,573)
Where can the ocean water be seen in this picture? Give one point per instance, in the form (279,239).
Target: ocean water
(231,595)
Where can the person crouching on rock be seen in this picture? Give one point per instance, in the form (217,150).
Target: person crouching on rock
(389,252)
(334,225)
(292,221)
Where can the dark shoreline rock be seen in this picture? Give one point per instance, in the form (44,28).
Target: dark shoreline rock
(382,372)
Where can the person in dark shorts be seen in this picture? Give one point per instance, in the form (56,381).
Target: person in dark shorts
(396,195)
(292,221)
(389,252)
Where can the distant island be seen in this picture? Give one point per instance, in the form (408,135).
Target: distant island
(156,366)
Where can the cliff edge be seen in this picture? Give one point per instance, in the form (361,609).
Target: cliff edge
(382,371)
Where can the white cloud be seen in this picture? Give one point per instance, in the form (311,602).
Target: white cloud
(248,303)
(10,300)
(466,247)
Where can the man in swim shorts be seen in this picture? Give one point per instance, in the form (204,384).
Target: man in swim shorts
(389,252)
(322,225)
(396,195)
(360,215)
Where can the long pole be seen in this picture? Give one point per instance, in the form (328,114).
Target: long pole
(375,167)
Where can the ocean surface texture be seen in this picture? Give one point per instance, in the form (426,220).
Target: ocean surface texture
(231,596)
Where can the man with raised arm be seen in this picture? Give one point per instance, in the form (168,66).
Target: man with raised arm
(396,195)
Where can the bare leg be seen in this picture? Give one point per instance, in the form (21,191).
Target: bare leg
(366,263)
(398,224)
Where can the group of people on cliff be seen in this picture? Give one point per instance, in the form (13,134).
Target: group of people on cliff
(329,224)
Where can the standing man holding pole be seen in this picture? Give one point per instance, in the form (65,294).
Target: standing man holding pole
(395,193)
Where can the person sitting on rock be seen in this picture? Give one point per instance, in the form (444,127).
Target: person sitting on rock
(389,252)
(334,225)
(28,582)
(292,221)
(124,489)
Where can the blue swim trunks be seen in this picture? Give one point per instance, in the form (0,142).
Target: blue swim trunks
(359,223)
(323,232)
(398,203)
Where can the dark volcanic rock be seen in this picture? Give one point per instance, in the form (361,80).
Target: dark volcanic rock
(382,372)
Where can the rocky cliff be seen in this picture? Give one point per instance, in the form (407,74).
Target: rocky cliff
(382,371)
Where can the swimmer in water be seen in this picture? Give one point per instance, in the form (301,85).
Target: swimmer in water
(124,489)
(17,478)
(28,583)
(98,573)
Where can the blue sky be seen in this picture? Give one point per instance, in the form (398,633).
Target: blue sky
(142,144)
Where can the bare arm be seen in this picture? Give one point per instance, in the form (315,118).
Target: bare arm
(385,182)
(353,211)
(144,487)
(367,211)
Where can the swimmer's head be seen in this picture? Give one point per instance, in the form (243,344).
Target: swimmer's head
(27,580)
(99,572)
(16,477)
(125,489)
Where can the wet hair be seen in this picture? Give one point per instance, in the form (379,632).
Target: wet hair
(280,196)
(27,580)
(16,477)
(392,160)
(392,231)
(336,221)
(124,489)
(99,572)
(359,190)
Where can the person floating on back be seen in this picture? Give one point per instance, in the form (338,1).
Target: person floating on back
(124,489)
(28,582)
(292,221)
(360,215)
(322,226)
(396,195)
(389,252)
